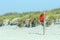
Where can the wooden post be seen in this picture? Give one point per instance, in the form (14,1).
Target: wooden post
(44,28)
(30,24)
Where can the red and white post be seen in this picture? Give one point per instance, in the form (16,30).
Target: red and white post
(42,20)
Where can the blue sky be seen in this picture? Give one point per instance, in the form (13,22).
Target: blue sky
(27,5)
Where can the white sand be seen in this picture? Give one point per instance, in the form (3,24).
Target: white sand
(35,33)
